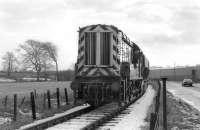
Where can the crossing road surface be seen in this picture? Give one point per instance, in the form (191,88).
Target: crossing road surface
(191,95)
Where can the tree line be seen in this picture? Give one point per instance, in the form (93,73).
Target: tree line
(33,56)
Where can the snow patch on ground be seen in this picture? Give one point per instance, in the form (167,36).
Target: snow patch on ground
(135,120)
(4,120)
(184,99)
(189,102)
(6,80)
(173,92)
(29,113)
(34,79)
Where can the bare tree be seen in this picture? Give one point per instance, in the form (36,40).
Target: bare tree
(46,64)
(53,54)
(34,56)
(9,62)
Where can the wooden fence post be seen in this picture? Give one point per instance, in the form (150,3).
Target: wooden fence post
(75,96)
(66,96)
(22,102)
(49,99)
(44,100)
(58,97)
(152,121)
(33,105)
(35,93)
(6,100)
(156,104)
(15,107)
(164,104)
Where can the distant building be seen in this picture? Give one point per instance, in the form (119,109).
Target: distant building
(177,73)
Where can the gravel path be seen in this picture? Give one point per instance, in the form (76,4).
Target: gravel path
(138,112)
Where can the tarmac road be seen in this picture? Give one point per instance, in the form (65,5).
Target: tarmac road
(191,95)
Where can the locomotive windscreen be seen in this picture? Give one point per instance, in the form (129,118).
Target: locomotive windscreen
(90,48)
(105,48)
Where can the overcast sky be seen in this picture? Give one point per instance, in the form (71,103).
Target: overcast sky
(168,31)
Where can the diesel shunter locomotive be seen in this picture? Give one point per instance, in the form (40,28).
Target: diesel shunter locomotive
(109,66)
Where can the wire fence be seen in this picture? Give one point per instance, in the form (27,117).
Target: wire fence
(35,105)
(155,115)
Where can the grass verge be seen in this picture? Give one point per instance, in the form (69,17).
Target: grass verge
(180,115)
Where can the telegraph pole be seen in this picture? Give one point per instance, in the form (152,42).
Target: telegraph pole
(175,71)
(164,104)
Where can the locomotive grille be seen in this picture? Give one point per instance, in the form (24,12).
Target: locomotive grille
(105,48)
(90,48)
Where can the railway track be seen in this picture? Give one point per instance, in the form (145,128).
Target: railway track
(58,118)
(95,119)
(115,120)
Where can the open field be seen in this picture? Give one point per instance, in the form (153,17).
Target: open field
(24,89)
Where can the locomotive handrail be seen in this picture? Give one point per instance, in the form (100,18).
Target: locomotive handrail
(128,42)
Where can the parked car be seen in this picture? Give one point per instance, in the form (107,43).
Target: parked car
(187,82)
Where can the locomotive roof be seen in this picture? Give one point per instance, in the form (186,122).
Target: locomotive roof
(131,44)
(102,25)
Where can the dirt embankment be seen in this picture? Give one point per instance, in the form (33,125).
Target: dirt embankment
(181,115)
